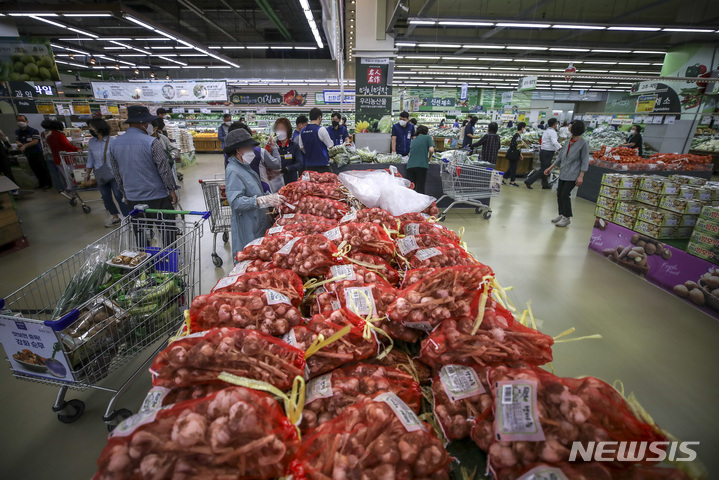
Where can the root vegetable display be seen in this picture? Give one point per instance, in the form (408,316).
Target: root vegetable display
(413,276)
(500,340)
(316,177)
(591,471)
(262,248)
(404,362)
(285,282)
(383,267)
(410,243)
(294,218)
(161,396)
(414,217)
(236,433)
(353,273)
(328,395)
(432,210)
(350,348)
(300,229)
(448,256)
(447,293)
(425,228)
(200,358)
(268,311)
(380,439)
(308,256)
(362,237)
(296,190)
(323,207)
(376,215)
(460,395)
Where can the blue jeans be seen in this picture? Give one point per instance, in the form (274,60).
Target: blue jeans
(107,191)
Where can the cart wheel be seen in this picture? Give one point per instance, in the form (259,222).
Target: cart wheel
(477,210)
(216,260)
(115,417)
(226,237)
(442,217)
(487,215)
(180,176)
(86,209)
(73,202)
(77,405)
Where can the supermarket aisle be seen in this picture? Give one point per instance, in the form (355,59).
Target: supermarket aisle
(663,350)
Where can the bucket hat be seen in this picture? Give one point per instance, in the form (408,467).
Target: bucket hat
(238,138)
(139,114)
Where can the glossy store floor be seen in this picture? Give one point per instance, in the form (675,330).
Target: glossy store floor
(663,349)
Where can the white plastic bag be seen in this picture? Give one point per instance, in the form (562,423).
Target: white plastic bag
(377,188)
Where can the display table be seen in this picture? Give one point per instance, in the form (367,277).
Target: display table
(523,168)
(668,267)
(207,144)
(432,187)
(589,190)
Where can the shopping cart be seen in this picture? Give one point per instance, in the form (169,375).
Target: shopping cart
(123,311)
(216,203)
(469,184)
(536,165)
(70,162)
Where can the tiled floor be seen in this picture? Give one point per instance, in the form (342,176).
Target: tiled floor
(664,350)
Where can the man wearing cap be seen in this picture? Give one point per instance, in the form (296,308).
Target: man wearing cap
(140,164)
(244,190)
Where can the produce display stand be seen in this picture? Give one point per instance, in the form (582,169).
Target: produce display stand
(220,212)
(106,325)
(207,144)
(714,155)
(523,167)
(589,189)
(668,268)
(12,236)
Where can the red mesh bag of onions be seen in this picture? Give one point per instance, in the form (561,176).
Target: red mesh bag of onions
(411,243)
(381,438)
(308,256)
(448,256)
(446,293)
(404,362)
(323,207)
(317,177)
(590,471)
(294,218)
(414,217)
(235,433)
(427,228)
(296,190)
(499,340)
(413,276)
(162,396)
(201,357)
(268,311)
(353,273)
(332,339)
(329,394)
(362,237)
(262,248)
(555,412)
(374,215)
(460,394)
(381,265)
(300,229)
(285,282)
(432,210)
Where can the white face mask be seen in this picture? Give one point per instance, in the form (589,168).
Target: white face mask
(403,123)
(150,129)
(228,123)
(22,124)
(281,135)
(247,157)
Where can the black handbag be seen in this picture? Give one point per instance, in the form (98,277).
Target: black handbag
(513,153)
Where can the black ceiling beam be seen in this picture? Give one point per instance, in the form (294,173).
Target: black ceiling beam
(191,7)
(398,8)
(422,10)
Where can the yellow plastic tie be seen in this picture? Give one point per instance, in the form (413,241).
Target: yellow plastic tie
(313,283)
(184,328)
(571,330)
(367,334)
(531,316)
(461,233)
(502,294)
(320,342)
(482,305)
(343,249)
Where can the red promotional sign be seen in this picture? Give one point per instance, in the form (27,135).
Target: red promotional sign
(374,75)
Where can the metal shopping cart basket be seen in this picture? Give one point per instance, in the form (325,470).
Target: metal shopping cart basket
(70,162)
(85,318)
(221,213)
(469,184)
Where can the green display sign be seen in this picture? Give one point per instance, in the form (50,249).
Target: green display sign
(27,59)
(373,95)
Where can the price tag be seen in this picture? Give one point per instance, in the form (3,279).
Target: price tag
(290,338)
(255,242)
(241,267)
(306,176)
(273,297)
(274,230)
(320,387)
(153,400)
(411,229)
(347,272)
(333,234)
(288,246)
(407,244)
(350,217)
(460,382)
(427,253)
(225,282)
(406,416)
(544,472)
(360,300)
(288,215)
(129,425)
(517,417)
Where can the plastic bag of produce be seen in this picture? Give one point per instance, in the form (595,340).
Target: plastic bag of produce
(460,395)
(323,207)
(296,190)
(285,282)
(378,188)
(265,310)
(447,256)
(308,256)
(262,248)
(332,339)
(555,413)
(328,395)
(199,358)
(414,227)
(447,293)
(85,282)
(380,437)
(362,237)
(316,177)
(499,340)
(292,218)
(235,433)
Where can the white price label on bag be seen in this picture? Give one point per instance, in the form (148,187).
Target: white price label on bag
(406,416)
(333,234)
(544,472)
(273,297)
(288,246)
(411,229)
(360,301)
(241,267)
(346,272)
(320,387)
(517,417)
(460,382)
(306,176)
(225,282)
(255,242)
(290,338)
(153,400)
(427,253)
(407,244)
(276,229)
(288,215)
(350,217)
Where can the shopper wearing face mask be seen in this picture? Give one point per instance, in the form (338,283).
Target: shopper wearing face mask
(223,130)
(290,153)
(338,132)
(28,140)
(245,191)
(140,165)
(469,132)
(57,142)
(266,163)
(314,142)
(402,134)
(635,139)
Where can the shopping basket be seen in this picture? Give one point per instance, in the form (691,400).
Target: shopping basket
(221,213)
(114,311)
(70,162)
(469,184)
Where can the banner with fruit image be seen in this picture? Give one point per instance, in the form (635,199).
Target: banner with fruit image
(27,59)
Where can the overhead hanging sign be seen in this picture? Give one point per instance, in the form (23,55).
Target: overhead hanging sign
(293,98)
(373,95)
(27,59)
(644,87)
(507,97)
(527,83)
(464,91)
(334,96)
(161,92)
(437,102)
(645,103)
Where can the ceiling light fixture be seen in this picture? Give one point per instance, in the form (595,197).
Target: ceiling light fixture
(527,48)
(611,51)
(523,25)
(635,29)
(579,27)
(86,15)
(422,22)
(439,45)
(650,52)
(689,30)
(311,21)
(465,23)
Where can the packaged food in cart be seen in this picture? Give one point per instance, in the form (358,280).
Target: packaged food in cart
(282,281)
(128,259)
(235,433)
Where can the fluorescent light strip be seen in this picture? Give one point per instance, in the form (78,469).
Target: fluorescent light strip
(171,60)
(439,45)
(235,47)
(60,25)
(635,29)
(528,48)
(497,47)
(33,14)
(422,22)
(650,52)
(688,30)
(579,27)
(610,51)
(523,25)
(86,15)
(405,44)
(573,49)
(71,63)
(465,23)
(310,48)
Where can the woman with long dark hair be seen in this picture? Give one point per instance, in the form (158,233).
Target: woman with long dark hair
(514,154)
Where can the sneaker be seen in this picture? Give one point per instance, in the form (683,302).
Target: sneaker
(528,185)
(513,184)
(557,219)
(564,222)
(67,194)
(112,222)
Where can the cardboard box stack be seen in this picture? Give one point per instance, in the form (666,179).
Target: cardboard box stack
(704,241)
(656,206)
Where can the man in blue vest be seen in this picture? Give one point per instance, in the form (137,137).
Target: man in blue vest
(402,134)
(338,132)
(314,142)
(301,122)
(140,165)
